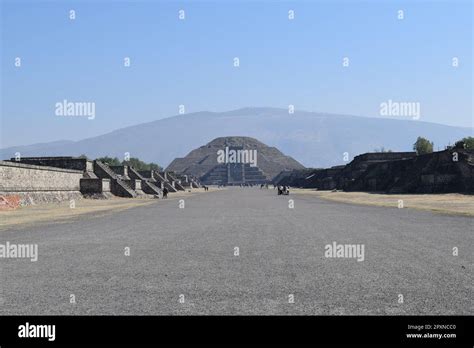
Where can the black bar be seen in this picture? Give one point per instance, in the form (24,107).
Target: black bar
(347,330)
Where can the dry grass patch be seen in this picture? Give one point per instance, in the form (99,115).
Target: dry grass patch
(33,214)
(61,212)
(448,203)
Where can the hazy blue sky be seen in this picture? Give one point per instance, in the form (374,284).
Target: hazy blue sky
(190,61)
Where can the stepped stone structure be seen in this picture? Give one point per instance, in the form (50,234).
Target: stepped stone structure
(174,181)
(169,184)
(203,163)
(154,177)
(147,186)
(187,181)
(94,187)
(38,179)
(448,171)
(136,181)
(119,185)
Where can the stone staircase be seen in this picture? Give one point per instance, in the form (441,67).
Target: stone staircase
(158,177)
(151,188)
(134,174)
(216,176)
(118,186)
(147,186)
(240,174)
(177,185)
(254,175)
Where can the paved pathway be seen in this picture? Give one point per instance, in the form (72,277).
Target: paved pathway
(190,251)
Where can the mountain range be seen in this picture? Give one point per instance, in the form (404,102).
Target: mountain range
(312,138)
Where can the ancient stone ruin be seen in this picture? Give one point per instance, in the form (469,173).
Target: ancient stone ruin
(31,180)
(233,161)
(30,184)
(48,179)
(451,170)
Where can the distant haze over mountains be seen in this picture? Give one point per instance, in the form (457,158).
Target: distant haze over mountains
(313,139)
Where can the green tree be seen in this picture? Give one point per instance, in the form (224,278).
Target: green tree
(140,165)
(135,163)
(422,146)
(109,160)
(468,142)
(154,166)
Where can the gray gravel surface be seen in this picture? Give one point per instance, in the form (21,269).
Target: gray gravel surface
(190,251)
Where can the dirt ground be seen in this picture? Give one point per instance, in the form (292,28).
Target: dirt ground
(31,215)
(449,203)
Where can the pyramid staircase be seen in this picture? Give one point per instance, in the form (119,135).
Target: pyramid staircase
(158,177)
(177,185)
(118,186)
(219,175)
(147,186)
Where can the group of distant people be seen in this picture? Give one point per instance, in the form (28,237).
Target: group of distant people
(246,185)
(282,190)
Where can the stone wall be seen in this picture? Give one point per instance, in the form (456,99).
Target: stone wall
(447,171)
(121,170)
(384,156)
(58,162)
(147,174)
(93,186)
(430,173)
(25,177)
(34,184)
(136,185)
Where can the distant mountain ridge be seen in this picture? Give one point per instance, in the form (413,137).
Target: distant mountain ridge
(313,139)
